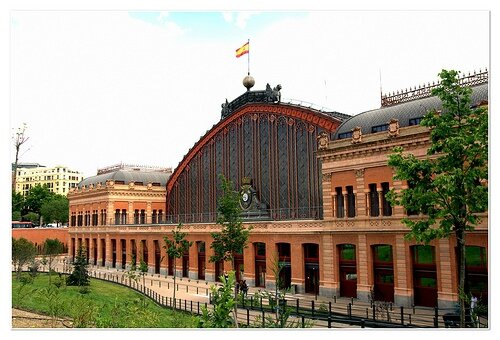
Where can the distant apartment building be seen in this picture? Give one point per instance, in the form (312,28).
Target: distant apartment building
(59,179)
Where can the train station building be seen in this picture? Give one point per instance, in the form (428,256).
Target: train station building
(312,186)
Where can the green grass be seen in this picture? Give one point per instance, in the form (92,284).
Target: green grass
(105,305)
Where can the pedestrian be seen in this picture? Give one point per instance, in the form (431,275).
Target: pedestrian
(244,287)
(237,287)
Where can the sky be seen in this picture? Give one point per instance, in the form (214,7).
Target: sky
(97,88)
(103,82)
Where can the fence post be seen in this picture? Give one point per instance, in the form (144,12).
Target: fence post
(436,317)
(373,311)
(248,317)
(263,318)
(312,307)
(349,312)
(303,322)
(329,309)
(329,321)
(251,302)
(402,316)
(191,306)
(298,303)
(362,323)
(198,307)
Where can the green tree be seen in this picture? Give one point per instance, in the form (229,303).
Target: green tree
(36,197)
(176,247)
(233,237)
(52,248)
(17,206)
(79,276)
(55,209)
(31,217)
(23,252)
(224,304)
(448,186)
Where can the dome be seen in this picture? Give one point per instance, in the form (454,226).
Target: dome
(127,176)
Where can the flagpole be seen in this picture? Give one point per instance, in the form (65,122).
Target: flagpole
(248,57)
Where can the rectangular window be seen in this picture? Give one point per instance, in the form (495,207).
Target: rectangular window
(387,209)
(351,202)
(117,216)
(380,128)
(136,216)
(143,217)
(124,216)
(345,135)
(340,202)
(373,195)
(153,217)
(415,121)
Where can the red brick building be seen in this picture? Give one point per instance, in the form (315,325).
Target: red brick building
(312,185)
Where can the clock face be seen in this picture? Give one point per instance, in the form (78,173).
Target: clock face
(246,199)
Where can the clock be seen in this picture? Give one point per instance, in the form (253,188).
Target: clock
(246,198)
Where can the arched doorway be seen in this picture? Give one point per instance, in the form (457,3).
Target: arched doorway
(284,258)
(260,264)
(383,270)
(185,264)
(311,264)
(424,276)
(201,260)
(347,270)
(157,256)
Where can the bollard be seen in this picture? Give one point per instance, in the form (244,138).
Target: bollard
(298,306)
(248,317)
(303,322)
(312,307)
(263,318)
(329,322)
(362,323)
(329,309)
(402,316)
(349,310)
(436,317)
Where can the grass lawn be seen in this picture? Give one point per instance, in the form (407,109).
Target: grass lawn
(105,305)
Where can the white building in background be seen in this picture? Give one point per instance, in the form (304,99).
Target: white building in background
(59,179)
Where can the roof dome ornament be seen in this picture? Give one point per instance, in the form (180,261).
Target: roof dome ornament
(248,82)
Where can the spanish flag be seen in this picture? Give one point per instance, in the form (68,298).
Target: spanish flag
(243,50)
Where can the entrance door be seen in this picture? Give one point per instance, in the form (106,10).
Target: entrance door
(312,278)
(201,261)
(424,276)
(383,273)
(157,257)
(347,270)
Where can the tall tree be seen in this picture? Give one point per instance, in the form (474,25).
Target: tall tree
(52,248)
(176,247)
(449,186)
(233,237)
(23,252)
(19,139)
(55,209)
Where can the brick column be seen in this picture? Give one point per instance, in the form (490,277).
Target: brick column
(447,274)
(364,284)
(298,266)
(109,252)
(193,261)
(327,196)
(209,266)
(403,292)
(249,264)
(326,266)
